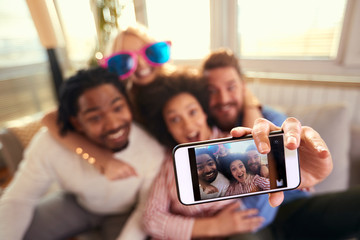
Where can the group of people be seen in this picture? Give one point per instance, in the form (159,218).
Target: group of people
(108,146)
(230,173)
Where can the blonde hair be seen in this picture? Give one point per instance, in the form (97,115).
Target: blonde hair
(137,30)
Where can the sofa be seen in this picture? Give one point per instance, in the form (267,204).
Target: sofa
(331,121)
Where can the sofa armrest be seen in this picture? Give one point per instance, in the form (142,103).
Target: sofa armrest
(11,149)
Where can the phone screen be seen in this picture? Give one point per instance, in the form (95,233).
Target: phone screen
(235,168)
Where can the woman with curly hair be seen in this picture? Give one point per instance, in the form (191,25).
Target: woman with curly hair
(175,111)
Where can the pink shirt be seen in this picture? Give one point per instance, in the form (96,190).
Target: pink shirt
(165,217)
(252,184)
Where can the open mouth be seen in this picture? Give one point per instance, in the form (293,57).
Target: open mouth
(193,137)
(241,177)
(116,135)
(143,72)
(210,175)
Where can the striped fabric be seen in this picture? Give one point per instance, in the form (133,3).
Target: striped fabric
(165,217)
(252,183)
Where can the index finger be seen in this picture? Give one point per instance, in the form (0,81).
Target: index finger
(260,132)
(292,132)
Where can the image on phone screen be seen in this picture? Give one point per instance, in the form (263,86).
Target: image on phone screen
(236,168)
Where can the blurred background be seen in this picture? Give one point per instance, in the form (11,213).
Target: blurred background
(44,41)
(299,56)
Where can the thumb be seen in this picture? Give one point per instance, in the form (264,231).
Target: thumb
(275,199)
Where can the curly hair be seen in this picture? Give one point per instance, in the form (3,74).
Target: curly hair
(151,100)
(228,159)
(75,86)
(222,57)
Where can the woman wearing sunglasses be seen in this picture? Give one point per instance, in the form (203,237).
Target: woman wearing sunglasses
(136,58)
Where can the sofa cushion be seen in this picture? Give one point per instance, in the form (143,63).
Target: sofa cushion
(14,139)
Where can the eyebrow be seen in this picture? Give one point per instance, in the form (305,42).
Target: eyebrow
(187,106)
(93,109)
(207,161)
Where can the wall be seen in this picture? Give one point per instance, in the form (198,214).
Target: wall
(288,93)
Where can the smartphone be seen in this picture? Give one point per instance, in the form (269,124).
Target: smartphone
(225,168)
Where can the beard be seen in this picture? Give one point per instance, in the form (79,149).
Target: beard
(226,123)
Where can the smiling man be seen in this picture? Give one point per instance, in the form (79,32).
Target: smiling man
(94,103)
(302,215)
(254,162)
(212,182)
(231,104)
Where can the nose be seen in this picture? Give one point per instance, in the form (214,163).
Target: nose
(207,169)
(188,124)
(112,122)
(223,97)
(141,61)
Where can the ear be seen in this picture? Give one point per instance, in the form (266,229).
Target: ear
(76,124)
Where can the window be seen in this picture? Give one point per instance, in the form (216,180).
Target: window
(186,23)
(19,42)
(25,82)
(79,29)
(80,19)
(302,37)
(282,29)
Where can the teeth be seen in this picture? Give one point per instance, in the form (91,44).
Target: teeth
(225,108)
(209,175)
(117,134)
(191,135)
(144,72)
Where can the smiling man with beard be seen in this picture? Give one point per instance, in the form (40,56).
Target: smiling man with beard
(231,104)
(94,103)
(301,215)
(212,183)
(253,162)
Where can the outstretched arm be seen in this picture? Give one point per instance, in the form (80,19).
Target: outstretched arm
(314,155)
(101,158)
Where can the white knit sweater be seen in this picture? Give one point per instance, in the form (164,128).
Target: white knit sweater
(45,161)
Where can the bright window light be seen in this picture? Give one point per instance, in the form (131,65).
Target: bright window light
(297,29)
(79,28)
(19,42)
(185,23)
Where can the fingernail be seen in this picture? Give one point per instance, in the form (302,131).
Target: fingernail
(263,147)
(321,148)
(292,139)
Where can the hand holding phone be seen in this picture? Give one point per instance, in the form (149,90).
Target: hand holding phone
(229,165)
(314,155)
